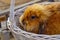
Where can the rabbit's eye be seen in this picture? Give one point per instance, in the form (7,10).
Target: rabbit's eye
(33,17)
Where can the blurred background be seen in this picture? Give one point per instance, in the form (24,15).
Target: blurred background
(4,4)
(5,34)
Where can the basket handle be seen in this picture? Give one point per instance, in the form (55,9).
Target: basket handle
(11,16)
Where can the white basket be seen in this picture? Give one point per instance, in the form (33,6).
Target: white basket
(23,35)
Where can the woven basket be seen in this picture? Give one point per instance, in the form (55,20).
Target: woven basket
(20,34)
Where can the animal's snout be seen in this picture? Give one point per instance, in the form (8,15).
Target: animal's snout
(24,22)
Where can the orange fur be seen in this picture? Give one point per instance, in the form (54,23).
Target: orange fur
(52,25)
(42,13)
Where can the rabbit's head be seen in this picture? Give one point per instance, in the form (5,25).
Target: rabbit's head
(32,17)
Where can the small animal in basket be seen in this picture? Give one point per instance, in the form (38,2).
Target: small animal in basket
(42,18)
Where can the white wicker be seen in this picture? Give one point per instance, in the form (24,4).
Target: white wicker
(23,35)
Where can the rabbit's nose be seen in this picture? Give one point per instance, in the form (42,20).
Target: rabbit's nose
(24,22)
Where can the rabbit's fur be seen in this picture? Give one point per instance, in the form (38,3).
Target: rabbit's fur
(36,14)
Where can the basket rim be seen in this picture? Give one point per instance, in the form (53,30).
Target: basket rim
(32,35)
